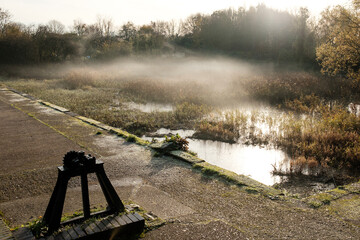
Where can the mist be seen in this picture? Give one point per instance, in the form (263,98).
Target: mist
(209,76)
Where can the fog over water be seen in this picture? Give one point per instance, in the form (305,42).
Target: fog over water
(217,70)
(209,76)
(215,78)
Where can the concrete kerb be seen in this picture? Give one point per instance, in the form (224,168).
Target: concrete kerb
(187,157)
(53,106)
(251,185)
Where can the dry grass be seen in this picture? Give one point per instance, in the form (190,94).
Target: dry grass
(323,134)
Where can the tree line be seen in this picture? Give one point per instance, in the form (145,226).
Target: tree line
(258,33)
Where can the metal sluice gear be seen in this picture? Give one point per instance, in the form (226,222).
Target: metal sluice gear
(78,164)
(75,160)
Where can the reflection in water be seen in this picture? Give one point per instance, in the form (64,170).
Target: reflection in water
(252,161)
(150,107)
(354,109)
(256,118)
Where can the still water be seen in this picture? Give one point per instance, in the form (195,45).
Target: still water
(253,161)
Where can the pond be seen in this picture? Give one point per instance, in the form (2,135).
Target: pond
(256,162)
(253,161)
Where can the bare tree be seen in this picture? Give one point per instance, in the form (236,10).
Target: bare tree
(173,28)
(56,27)
(5,17)
(79,27)
(128,31)
(168,29)
(105,26)
(159,27)
(192,24)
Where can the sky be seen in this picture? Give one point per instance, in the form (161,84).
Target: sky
(139,11)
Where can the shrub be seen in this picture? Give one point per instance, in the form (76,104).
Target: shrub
(179,142)
(38,227)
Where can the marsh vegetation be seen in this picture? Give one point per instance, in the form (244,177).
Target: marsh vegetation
(295,115)
(253,78)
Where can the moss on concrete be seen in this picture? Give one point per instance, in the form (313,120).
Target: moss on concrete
(58,108)
(88,120)
(327,197)
(187,157)
(348,208)
(353,188)
(251,190)
(337,192)
(126,135)
(320,199)
(239,180)
(314,203)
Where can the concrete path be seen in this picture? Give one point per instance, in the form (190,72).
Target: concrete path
(34,138)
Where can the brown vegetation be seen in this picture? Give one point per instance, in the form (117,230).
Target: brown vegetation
(314,126)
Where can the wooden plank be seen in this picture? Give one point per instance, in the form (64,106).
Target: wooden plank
(88,230)
(79,231)
(73,233)
(126,219)
(132,218)
(51,237)
(66,235)
(95,227)
(115,223)
(120,220)
(21,233)
(101,226)
(107,224)
(139,217)
(59,237)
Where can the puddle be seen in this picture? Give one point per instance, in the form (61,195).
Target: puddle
(252,161)
(150,107)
